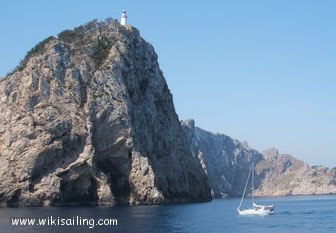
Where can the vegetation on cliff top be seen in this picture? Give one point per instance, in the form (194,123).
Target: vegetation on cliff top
(76,37)
(37,49)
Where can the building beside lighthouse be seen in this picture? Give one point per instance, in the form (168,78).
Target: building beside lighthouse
(123,20)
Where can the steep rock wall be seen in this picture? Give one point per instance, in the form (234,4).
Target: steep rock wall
(87,118)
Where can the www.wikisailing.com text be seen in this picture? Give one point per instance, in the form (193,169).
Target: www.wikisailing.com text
(58,221)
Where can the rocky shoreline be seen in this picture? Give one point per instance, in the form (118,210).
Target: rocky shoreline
(227,161)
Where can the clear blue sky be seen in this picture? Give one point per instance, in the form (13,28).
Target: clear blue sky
(260,71)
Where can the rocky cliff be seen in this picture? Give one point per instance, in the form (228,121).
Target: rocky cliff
(286,175)
(227,162)
(87,118)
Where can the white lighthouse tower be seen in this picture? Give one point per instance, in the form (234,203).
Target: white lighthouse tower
(123,20)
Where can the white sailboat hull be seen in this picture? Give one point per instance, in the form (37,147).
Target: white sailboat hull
(255,212)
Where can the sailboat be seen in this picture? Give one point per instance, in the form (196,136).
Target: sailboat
(255,209)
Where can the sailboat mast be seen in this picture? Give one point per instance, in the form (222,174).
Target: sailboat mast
(247,182)
(252,183)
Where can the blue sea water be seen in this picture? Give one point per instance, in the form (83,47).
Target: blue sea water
(299,214)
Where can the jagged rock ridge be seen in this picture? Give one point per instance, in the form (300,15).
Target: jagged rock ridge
(87,118)
(227,162)
(287,175)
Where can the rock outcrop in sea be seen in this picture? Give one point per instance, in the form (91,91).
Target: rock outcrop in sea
(87,118)
(227,162)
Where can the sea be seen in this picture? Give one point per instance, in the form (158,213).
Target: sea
(297,214)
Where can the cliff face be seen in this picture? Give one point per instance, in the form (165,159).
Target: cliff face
(87,118)
(288,176)
(227,162)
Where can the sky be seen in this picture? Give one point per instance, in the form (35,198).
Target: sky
(261,71)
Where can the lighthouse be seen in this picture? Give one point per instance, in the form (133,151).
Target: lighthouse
(123,20)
